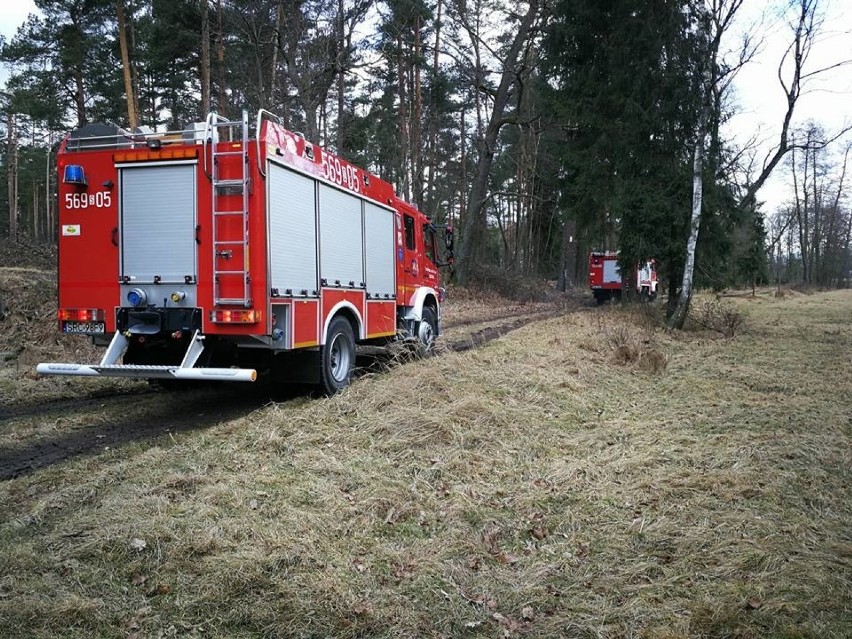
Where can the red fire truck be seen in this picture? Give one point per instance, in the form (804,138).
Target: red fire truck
(207,254)
(607,282)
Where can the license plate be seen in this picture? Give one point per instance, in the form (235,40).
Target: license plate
(82,327)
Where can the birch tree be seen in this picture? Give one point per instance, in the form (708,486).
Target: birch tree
(717,74)
(714,18)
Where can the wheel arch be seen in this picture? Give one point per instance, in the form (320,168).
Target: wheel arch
(352,315)
(424,296)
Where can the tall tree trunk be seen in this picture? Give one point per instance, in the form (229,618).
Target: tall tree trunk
(817,221)
(432,151)
(312,125)
(135,82)
(48,212)
(567,250)
(129,91)
(80,96)
(222,102)
(258,63)
(463,165)
(35,212)
(475,219)
(678,317)
(205,57)
(416,121)
(404,140)
(12,174)
(341,84)
(802,205)
(276,48)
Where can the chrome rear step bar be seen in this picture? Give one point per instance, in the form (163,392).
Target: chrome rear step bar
(185,370)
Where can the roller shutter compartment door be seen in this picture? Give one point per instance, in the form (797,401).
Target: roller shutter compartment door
(158,223)
(292,231)
(341,238)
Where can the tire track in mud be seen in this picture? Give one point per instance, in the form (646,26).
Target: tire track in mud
(152,414)
(455,324)
(490,333)
(60,406)
(147,417)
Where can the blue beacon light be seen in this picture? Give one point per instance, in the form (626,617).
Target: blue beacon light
(74,174)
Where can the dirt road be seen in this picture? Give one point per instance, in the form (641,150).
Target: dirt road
(39,432)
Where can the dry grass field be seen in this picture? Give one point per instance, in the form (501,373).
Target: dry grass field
(586,476)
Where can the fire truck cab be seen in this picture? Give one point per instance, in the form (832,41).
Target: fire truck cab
(209,254)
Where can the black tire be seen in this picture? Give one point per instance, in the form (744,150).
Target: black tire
(337,358)
(427,331)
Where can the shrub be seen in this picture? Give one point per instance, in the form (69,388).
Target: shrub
(719,316)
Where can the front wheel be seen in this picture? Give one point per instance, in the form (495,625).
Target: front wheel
(427,330)
(338,357)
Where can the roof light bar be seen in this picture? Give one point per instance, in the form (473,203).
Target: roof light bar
(158,154)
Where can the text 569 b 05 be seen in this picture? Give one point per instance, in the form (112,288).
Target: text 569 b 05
(98,200)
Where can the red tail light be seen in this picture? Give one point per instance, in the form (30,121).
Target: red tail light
(81,314)
(249,316)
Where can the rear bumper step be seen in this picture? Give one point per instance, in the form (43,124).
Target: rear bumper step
(186,370)
(133,371)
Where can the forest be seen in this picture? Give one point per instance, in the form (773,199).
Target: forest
(541,129)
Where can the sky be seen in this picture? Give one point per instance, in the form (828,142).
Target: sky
(12,15)
(757,94)
(759,97)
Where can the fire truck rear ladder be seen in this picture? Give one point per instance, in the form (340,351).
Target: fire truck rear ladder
(237,131)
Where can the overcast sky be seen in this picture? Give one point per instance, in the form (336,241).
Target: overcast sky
(759,98)
(757,94)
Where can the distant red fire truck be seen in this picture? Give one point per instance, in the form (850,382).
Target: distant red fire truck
(607,282)
(207,254)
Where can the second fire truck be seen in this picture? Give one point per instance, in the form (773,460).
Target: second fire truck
(607,281)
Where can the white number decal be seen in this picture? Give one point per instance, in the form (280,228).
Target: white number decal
(353,178)
(99,200)
(340,173)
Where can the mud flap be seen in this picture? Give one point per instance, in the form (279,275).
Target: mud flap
(297,367)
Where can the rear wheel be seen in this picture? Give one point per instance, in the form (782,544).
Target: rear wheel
(338,357)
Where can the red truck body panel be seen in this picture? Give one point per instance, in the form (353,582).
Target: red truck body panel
(266,238)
